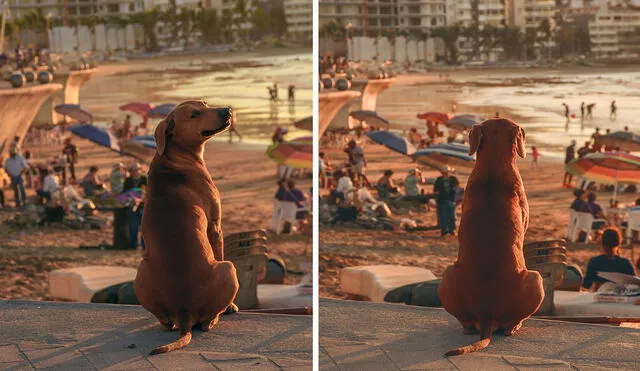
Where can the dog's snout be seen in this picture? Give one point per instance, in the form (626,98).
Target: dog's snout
(225,113)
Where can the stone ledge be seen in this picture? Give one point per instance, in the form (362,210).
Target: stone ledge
(375,336)
(97,336)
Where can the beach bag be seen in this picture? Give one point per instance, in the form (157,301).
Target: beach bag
(347,213)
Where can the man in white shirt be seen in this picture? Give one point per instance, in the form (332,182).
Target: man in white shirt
(50,185)
(15,166)
(344,186)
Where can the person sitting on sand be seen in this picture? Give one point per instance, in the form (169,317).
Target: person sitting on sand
(579,204)
(368,203)
(608,261)
(91,183)
(344,186)
(73,198)
(596,210)
(386,186)
(50,185)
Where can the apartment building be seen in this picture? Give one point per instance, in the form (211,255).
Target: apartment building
(489,12)
(68,9)
(299,14)
(529,13)
(367,16)
(614,29)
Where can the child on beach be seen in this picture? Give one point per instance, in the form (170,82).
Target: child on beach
(536,155)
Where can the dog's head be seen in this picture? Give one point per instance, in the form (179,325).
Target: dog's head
(191,124)
(498,134)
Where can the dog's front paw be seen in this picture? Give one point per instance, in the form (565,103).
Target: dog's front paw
(231,309)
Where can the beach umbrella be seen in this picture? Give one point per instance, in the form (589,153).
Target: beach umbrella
(161,111)
(97,135)
(443,155)
(75,112)
(141,108)
(435,116)
(304,144)
(607,168)
(146,140)
(463,122)
(305,123)
(370,118)
(290,155)
(392,141)
(625,140)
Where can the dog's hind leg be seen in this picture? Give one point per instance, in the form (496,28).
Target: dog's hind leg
(510,330)
(208,324)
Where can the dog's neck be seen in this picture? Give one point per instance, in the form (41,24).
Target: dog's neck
(491,158)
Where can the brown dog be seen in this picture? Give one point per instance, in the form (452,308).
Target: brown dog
(489,286)
(183,278)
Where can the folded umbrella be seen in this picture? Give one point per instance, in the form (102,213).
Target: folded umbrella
(141,108)
(392,141)
(97,135)
(463,122)
(305,123)
(161,111)
(371,118)
(75,112)
(435,116)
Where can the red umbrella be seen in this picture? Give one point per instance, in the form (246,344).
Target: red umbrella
(141,108)
(435,116)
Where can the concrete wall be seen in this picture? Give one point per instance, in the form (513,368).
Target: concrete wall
(364,48)
(64,39)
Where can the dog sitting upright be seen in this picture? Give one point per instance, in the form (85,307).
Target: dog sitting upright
(489,287)
(183,279)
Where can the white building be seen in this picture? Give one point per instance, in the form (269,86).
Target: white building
(529,13)
(299,15)
(607,30)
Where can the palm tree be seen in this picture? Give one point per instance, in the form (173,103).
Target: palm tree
(121,22)
(391,35)
(420,35)
(260,22)
(511,40)
(241,15)
(208,23)
(148,20)
(449,36)
(187,24)
(226,24)
(91,22)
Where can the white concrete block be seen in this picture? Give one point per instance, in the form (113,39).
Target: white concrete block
(282,296)
(81,283)
(374,281)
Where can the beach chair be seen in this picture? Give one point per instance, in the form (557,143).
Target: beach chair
(287,214)
(275,215)
(250,269)
(550,260)
(583,222)
(572,223)
(633,223)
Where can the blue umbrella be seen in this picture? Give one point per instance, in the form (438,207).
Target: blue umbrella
(463,122)
(392,141)
(97,135)
(146,140)
(161,111)
(75,112)
(370,117)
(443,155)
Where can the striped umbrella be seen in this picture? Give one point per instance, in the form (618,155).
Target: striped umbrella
(607,168)
(625,140)
(296,153)
(435,116)
(443,155)
(141,108)
(463,122)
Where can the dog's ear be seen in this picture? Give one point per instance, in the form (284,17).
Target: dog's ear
(475,137)
(164,128)
(519,142)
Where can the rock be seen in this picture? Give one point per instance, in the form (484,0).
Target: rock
(17,80)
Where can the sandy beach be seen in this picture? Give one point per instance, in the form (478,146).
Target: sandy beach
(243,173)
(344,246)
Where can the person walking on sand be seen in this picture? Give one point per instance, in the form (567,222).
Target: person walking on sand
(582,111)
(566,112)
(292,93)
(535,154)
(570,154)
(15,166)
(613,115)
(590,111)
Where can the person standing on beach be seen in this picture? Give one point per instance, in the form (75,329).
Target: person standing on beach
(357,161)
(566,112)
(535,154)
(445,191)
(584,150)
(15,166)
(613,115)
(570,154)
(292,93)
(590,111)
(134,212)
(582,111)
(70,152)
(595,137)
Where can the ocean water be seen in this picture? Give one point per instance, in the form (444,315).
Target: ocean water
(535,97)
(243,88)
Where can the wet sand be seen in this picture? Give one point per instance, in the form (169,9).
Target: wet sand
(244,175)
(342,246)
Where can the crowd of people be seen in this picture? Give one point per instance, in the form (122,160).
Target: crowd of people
(349,186)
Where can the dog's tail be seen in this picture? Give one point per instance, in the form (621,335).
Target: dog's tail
(485,339)
(185,323)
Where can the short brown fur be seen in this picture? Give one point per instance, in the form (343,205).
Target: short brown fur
(183,279)
(489,286)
